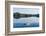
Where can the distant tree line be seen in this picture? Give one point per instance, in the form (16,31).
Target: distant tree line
(18,15)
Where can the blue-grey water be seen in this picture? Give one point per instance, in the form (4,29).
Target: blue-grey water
(26,22)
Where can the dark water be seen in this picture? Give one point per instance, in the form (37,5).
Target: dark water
(22,25)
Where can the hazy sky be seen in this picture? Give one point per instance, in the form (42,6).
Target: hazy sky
(26,10)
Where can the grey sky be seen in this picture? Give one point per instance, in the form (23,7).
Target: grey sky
(26,10)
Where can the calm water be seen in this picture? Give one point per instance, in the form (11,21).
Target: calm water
(26,22)
(22,25)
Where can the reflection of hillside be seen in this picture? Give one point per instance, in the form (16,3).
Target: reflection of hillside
(18,15)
